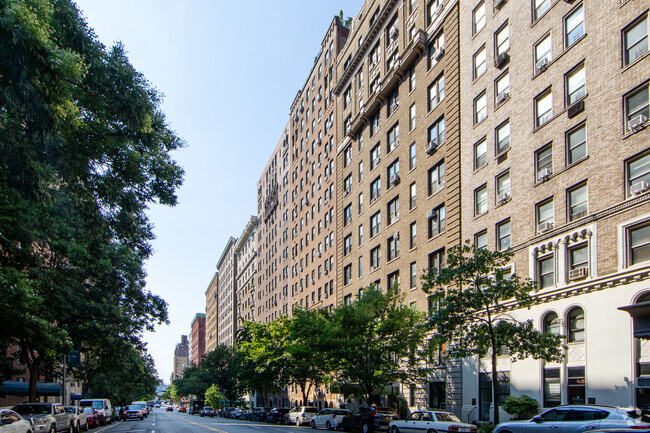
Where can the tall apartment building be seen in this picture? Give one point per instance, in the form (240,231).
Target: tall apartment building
(556,166)
(246,272)
(273,234)
(226,299)
(211,313)
(313,186)
(398,159)
(181,358)
(197,346)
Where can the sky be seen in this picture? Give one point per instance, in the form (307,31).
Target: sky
(229,71)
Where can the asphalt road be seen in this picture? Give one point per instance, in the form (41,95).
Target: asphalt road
(161,421)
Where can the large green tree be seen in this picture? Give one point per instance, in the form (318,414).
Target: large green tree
(474,295)
(84,150)
(224,370)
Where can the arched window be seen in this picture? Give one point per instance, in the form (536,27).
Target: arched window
(643,298)
(552,323)
(576,325)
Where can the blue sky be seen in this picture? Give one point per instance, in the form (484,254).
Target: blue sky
(229,72)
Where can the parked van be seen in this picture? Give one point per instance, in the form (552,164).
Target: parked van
(102,406)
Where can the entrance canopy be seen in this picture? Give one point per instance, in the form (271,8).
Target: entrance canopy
(640,314)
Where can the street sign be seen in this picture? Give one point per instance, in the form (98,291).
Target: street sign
(73,358)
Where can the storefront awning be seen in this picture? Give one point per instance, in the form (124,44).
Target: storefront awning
(22,388)
(640,314)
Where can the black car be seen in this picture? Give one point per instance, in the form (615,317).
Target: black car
(277,415)
(369,419)
(259,414)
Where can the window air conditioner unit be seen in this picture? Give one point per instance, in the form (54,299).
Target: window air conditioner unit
(578,215)
(438,53)
(643,382)
(346,193)
(326,272)
(431,147)
(542,64)
(396,64)
(544,174)
(576,109)
(395,180)
(373,268)
(376,161)
(503,198)
(503,96)
(431,214)
(544,227)
(307,202)
(394,106)
(576,274)
(302,108)
(501,60)
(396,236)
(301,269)
(394,32)
(319,97)
(499,4)
(637,122)
(639,188)
(319,141)
(320,254)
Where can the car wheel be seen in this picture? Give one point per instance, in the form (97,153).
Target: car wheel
(86,426)
(394,430)
(312,424)
(432,431)
(365,428)
(298,421)
(52,429)
(71,428)
(328,425)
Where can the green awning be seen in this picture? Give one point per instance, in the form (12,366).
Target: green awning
(22,388)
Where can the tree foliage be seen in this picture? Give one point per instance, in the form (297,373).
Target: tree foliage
(84,149)
(475,295)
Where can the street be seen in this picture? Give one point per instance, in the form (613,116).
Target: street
(160,421)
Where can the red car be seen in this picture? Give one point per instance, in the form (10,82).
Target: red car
(93,417)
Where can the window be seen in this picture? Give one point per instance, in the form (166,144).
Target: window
(635,40)
(347,274)
(436,50)
(438,260)
(347,184)
(436,221)
(553,393)
(436,92)
(411,79)
(478,16)
(360,273)
(502,40)
(347,215)
(552,324)
(433,8)
(360,202)
(412,117)
(575,85)
(413,231)
(393,102)
(544,108)
(393,211)
(347,245)
(576,143)
(503,235)
(481,240)
(412,196)
(412,156)
(576,325)
(374,56)
(503,187)
(578,257)
(543,53)
(546,271)
(638,171)
(347,156)
(413,275)
(480,154)
(480,62)
(375,224)
(502,87)
(545,213)
(480,108)
(393,247)
(375,189)
(347,98)
(574,26)
(375,156)
(636,104)
(544,161)
(375,122)
(360,171)
(436,132)
(503,137)
(541,6)
(577,202)
(360,234)
(480,200)
(639,244)
(576,395)
(436,177)
(393,137)
(375,258)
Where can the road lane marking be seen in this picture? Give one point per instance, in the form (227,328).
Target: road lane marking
(201,425)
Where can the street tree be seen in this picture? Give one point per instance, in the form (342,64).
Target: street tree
(213,396)
(223,369)
(377,340)
(475,295)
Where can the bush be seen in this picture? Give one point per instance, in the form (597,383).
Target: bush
(524,407)
(485,428)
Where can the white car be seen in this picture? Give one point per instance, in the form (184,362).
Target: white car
(428,421)
(14,423)
(301,415)
(79,419)
(329,418)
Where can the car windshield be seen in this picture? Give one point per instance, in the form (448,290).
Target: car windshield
(36,409)
(445,416)
(88,409)
(207,408)
(133,407)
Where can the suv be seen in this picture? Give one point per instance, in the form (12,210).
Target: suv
(207,411)
(301,415)
(103,408)
(369,419)
(45,417)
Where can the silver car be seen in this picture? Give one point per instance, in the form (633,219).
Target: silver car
(427,421)
(13,423)
(329,418)
(577,419)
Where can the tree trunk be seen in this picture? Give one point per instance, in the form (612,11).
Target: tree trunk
(33,364)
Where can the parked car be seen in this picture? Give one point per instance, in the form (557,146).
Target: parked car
(427,421)
(142,406)
(134,411)
(207,411)
(93,417)
(79,418)
(182,409)
(277,415)
(577,419)
(12,422)
(102,406)
(369,419)
(258,414)
(45,417)
(170,408)
(329,418)
(301,415)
